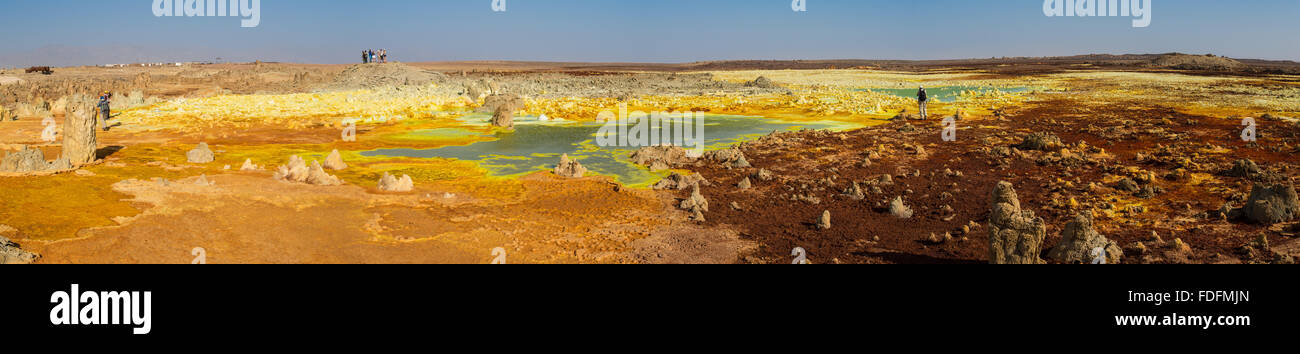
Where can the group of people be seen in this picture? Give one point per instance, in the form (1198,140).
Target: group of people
(374,56)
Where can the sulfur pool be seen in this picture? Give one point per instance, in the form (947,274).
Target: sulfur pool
(536,145)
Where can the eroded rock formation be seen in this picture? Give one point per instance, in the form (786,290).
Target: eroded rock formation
(661,157)
(335,161)
(28,160)
(79,140)
(1015,235)
(503,109)
(298,171)
(570,168)
(1271,204)
(1040,141)
(390,183)
(200,154)
(729,158)
(10,253)
(696,201)
(677,181)
(1081,244)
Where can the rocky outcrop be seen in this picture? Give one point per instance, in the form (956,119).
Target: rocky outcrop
(503,109)
(744,184)
(762,82)
(1080,244)
(696,202)
(677,181)
(127,101)
(474,92)
(249,166)
(1243,168)
(1127,185)
(1271,204)
(79,140)
(7,115)
(200,154)
(335,161)
(1015,235)
(661,157)
(854,192)
(503,119)
(10,253)
(297,171)
(899,210)
(390,183)
(30,160)
(37,108)
(502,102)
(1040,141)
(729,158)
(824,222)
(569,168)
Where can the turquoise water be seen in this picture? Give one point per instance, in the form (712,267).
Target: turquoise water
(943,93)
(537,145)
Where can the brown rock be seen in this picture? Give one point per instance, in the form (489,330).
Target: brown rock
(824,222)
(569,168)
(1080,243)
(1015,235)
(1272,204)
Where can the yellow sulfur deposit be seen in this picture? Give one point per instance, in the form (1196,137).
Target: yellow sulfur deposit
(292,110)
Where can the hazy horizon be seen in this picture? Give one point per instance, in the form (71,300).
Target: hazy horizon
(85,32)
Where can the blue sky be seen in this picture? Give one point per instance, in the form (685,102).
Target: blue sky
(71,32)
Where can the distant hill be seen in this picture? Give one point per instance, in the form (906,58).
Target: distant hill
(1198,62)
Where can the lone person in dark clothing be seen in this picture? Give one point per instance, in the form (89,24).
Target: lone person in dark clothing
(105,108)
(921,99)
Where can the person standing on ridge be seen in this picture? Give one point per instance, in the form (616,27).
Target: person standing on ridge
(365,59)
(921,99)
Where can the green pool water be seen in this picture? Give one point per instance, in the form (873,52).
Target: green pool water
(537,145)
(943,93)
